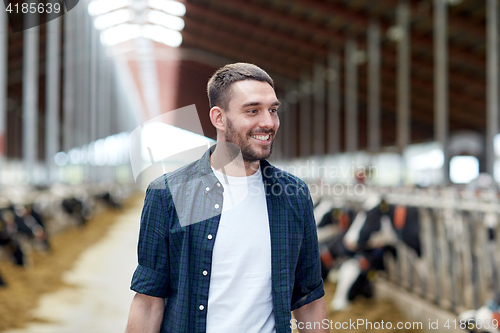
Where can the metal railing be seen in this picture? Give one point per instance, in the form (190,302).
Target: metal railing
(460,261)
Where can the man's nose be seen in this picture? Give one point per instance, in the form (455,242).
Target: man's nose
(266,120)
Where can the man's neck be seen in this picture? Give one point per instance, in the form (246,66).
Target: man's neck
(221,160)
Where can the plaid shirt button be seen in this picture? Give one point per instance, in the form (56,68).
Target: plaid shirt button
(205,273)
(209,236)
(216,206)
(207,189)
(202,307)
(218,184)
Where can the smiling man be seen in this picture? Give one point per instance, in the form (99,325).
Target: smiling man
(228,243)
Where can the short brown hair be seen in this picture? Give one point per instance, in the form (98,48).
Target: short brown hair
(219,85)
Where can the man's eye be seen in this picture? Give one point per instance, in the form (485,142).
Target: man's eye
(252,111)
(273,110)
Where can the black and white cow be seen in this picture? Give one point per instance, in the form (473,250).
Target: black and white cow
(35,221)
(485,319)
(76,209)
(374,231)
(30,224)
(332,248)
(109,200)
(21,227)
(8,240)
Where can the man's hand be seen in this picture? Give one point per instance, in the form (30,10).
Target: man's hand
(312,315)
(146,314)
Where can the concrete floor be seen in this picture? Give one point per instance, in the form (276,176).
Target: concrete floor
(99,298)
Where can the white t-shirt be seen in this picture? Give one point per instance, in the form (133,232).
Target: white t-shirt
(240,296)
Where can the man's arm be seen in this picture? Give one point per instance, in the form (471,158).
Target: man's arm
(146,314)
(314,312)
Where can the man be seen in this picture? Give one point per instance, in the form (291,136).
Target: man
(228,243)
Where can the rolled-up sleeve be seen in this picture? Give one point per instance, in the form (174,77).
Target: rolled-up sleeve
(151,276)
(308,284)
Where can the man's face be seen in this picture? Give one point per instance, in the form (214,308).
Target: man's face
(252,119)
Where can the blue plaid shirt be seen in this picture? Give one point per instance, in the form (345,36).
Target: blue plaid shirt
(179,225)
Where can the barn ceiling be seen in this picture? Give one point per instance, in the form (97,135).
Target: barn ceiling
(287,37)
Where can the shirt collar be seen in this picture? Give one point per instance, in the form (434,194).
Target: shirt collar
(204,165)
(207,175)
(268,171)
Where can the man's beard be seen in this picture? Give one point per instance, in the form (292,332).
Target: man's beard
(248,154)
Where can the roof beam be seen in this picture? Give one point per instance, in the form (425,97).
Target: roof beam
(421,87)
(219,47)
(418,81)
(425,71)
(422,103)
(418,42)
(272,53)
(457,23)
(254,31)
(333,37)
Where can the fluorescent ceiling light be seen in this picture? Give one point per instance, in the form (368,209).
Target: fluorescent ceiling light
(168,6)
(120,33)
(61,158)
(75,156)
(165,20)
(496,170)
(463,169)
(161,35)
(114,18)
(395,33)
(100,156)
(496,145)
(433,159)
(125,32)
(112,146)
(99,7)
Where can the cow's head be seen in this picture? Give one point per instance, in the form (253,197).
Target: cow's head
(372,227)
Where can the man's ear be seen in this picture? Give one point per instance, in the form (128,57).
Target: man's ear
(217,118)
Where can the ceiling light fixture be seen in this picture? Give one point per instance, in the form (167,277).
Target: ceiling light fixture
(168,6)
(99,7)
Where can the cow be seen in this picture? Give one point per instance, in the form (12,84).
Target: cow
(374,232)
(32,223)
(109,200)
(332,249)
(21,227)
(75,208)
(485,319)
(8,240)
